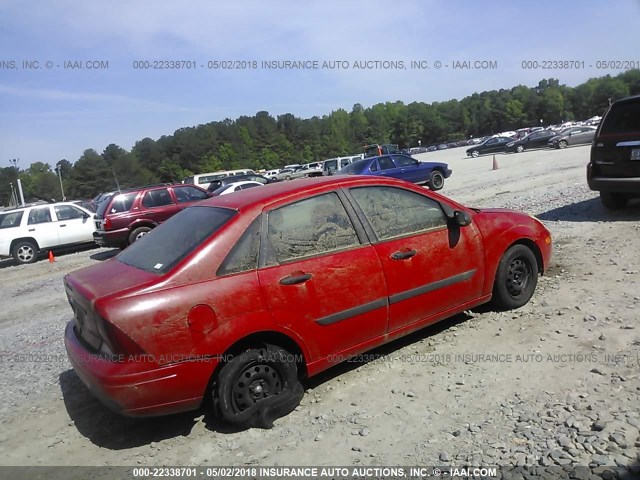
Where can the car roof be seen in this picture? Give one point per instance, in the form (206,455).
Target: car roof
(52,204)
(274,192)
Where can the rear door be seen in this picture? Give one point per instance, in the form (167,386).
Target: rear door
(41,227)
(428,267)
(158,204)
(320,277)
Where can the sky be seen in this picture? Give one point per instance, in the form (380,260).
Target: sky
(50,109)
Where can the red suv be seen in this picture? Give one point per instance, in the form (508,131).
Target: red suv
(126,216)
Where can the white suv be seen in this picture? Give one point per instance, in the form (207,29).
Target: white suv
(25,231)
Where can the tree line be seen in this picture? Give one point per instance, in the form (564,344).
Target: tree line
(265,142)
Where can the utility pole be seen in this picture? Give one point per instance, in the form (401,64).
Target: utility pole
(59,170)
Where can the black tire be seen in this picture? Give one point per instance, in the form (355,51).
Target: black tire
(288,177)
(25,252)
(613,201)
(475,153)
(520,148)
(516,278)
(562,144)
(138,233)
(258,386)
(436,180)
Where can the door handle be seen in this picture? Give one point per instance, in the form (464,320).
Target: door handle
(63,225)
(32,229)
(403,254)
(295,278)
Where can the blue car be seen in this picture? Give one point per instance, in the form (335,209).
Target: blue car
(403,167)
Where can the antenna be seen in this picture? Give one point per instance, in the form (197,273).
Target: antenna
(116,179)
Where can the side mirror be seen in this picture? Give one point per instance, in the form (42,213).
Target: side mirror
(461,218)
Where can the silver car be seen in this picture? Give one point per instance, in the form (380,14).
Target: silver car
(573,136)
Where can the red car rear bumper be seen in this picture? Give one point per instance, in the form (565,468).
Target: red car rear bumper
(140,388)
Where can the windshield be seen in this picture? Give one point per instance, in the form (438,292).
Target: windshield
(168,243)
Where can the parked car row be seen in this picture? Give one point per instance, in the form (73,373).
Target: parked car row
(543,138)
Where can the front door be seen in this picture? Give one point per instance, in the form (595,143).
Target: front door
(428,266)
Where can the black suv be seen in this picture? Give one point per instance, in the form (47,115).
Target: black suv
(614,168)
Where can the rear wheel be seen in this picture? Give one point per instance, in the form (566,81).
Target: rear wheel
(516,278)
(258,386)
(138,233)
(436,180)
(613,201)
(25,252)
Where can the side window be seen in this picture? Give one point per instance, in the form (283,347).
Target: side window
(403,160)
(385,163)
(492,141)
(122,202)
(374,167)
(39,215)
(244,254)
(188,194)
(156,198)
(10,220)
(67,212)
(393,212)
(309,227)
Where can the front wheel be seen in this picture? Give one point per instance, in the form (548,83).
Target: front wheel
(25,252)
(516,278)
(562,144)
(436,180)
(258,386)
(519,149)
(475,153)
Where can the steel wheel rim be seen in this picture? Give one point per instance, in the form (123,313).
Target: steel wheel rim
(25,253)
(518,277)
(255,383)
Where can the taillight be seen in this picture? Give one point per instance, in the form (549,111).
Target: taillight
(107,224)
(115,342)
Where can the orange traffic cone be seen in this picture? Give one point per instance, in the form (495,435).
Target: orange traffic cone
(51,257)
(495,163)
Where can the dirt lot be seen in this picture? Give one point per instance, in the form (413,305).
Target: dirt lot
(553,383)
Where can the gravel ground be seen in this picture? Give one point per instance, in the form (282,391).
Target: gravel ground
(553,384)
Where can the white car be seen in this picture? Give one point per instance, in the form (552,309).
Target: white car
(236,187)
(26,231)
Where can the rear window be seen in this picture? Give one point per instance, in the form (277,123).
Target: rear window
(11,219)
(355,167)
(170,242)
(121,202)
(622,118)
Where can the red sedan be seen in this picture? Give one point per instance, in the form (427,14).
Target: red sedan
(242,296)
